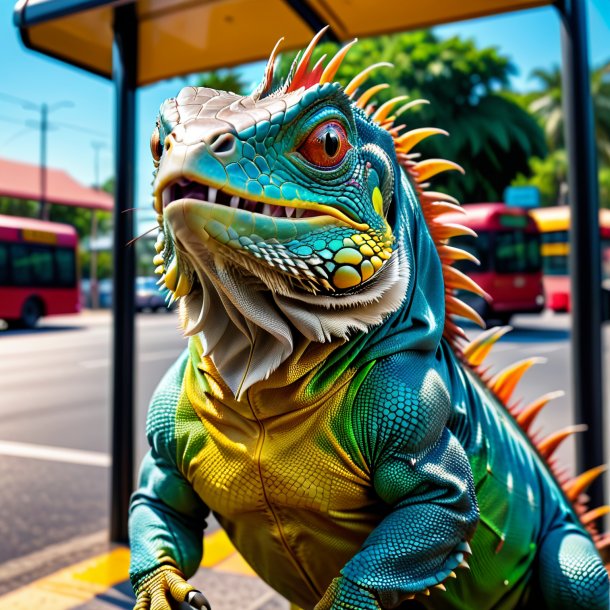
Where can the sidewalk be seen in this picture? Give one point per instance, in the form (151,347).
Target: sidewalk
(101,583)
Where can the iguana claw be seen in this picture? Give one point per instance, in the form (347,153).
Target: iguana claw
(198,600)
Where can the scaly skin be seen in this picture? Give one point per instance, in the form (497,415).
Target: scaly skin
(361,466)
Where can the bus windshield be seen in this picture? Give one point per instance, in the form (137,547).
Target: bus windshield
(516,252)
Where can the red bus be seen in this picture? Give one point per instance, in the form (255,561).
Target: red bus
(37,270)
(508,248)
(554,225)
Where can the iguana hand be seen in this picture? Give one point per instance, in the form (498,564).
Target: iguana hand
(156,591)
(343,594)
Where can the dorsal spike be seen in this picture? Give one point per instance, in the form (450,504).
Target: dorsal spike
(595,514)
(455,306)
(576,486)
(409,105)
(410,139)
(504,383)
(547,446)
(313,77)
(528,414)
(445,230)
(362,76)
(449,254)
(478,349)
(301,69)
(369,93)
(386,108)
(456,280)
(335,62)
(436,208)
(438,196)
(431,167)
(268,76)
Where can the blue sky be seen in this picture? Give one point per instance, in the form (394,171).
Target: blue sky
(530,38)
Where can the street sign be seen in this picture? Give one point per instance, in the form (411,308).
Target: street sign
(522,196)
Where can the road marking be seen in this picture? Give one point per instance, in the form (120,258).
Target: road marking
(543,349)
(145,357)
(54,454)
(78,584)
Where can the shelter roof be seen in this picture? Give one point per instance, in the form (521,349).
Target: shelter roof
(182,36)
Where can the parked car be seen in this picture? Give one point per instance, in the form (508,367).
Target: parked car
(148,295)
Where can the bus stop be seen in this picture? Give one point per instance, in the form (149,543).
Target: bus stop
(138,42)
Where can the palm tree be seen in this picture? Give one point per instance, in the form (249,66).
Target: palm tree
(547,106)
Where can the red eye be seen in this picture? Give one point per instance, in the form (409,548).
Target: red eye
(326,145)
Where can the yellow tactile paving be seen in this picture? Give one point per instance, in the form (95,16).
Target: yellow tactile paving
(81,582)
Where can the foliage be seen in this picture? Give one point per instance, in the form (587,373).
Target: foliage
(548,176)
(223,80)
(492,137)
(546,105)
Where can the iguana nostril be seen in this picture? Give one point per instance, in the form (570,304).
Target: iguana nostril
(224,144)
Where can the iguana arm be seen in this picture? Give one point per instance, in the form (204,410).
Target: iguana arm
(421,471)
(167,517)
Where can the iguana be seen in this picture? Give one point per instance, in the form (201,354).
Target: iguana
(329,411)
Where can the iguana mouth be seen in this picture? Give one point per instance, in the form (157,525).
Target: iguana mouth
(191,189)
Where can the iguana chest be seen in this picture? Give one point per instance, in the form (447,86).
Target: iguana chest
(282,486)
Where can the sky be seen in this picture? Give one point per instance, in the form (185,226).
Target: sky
(530,38)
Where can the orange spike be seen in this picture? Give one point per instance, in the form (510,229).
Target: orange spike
(443,207)
(453,305)
(362,76)
(595,514)
(546,447)
(449,254)
(453,329)
(410,105)
(478,349)
(577,485)
(431,167)
(268,77)
(410,139)
(335,62)
(440,196)
(369,93)
(505,382)
(313,77)
(456,280)
(528,414)
(385,108)
(446,230)
(301,70)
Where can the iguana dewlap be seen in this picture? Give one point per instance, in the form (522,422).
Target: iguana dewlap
(327,412)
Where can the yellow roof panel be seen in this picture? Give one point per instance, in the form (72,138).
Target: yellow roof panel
(183,36)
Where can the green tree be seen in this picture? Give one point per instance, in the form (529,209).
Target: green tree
(549,176)
(492,136)
(545,103)
(223,80)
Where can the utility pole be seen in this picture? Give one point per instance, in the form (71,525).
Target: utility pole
(95,301)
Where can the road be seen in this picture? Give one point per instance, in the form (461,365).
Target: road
(55,423)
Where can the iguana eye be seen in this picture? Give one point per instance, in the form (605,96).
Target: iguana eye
(156,148)
(326,145)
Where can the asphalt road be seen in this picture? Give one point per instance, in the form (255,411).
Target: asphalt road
(55,422)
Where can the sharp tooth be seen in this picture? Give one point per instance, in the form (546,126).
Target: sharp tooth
(267,211)
(212,194)
(234,201)
(158,259)
(171,275)
(183,286)
(299,212)
(289,211)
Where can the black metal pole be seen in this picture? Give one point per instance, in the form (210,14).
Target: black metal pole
(585,255)
(124,67)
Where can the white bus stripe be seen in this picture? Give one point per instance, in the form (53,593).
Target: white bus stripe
(54,454)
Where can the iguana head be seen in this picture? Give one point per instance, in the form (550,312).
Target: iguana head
(283,204)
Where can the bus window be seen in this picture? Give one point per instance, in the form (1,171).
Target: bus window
(516,252)
(3,264)
(66,272)
(555,237)
(478,246)
(32,265)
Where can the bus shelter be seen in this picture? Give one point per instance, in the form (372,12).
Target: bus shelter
(137,42)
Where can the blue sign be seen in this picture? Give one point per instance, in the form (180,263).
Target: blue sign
(522,196)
